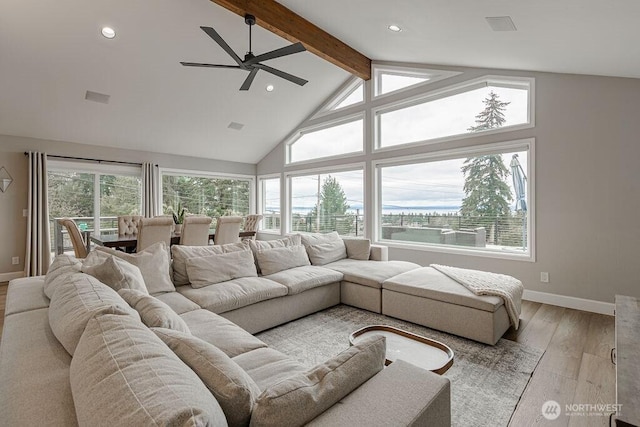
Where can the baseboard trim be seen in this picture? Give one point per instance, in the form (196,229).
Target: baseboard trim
(6,277)
(569,302)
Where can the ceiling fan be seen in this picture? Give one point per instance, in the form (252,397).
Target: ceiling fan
(251,62)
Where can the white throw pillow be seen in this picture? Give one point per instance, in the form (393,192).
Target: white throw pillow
(181,253)
(117,274)
(153,312)
(261,245)
(204,271)
(274,260)
(232,387)
(358,248)
(324,248)
(153,263)
(60,270)
(302,397)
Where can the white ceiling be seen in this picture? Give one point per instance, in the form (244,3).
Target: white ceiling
(51,52)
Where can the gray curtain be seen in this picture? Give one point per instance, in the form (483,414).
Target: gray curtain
(150,189)
(38,254)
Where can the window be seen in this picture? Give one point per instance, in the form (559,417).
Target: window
(270,204)
(73,189)
(394,79)
(344,137)
(478,107)
(327,201)
(209,195)
(473,199)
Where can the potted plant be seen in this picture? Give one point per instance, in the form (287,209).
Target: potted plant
(178,217)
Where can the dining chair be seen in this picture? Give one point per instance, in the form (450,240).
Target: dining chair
(153,230)
(227,230)
(79,245)
(195,230)
(251,223)
(128,225)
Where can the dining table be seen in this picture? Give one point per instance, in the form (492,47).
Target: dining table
(130,241)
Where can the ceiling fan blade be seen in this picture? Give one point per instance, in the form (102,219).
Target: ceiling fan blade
(215,36)
(196,64)
(247,83)
(282,74)
(284,51)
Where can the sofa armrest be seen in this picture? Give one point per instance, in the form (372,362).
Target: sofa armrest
(379,253)
(401,394)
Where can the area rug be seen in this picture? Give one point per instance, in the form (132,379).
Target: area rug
(486,381)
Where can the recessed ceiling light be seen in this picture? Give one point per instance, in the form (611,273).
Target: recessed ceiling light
(394,28)
(108,32)
(269,88)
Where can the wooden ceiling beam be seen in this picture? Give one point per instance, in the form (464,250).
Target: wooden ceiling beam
(276,18)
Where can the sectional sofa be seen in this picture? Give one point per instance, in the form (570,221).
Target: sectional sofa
(122,339)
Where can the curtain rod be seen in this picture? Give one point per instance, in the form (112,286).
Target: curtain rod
(86,159)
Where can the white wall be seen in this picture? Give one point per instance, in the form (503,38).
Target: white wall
(587,138)
(13,226)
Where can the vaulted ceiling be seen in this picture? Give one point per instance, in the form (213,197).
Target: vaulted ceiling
(51,53)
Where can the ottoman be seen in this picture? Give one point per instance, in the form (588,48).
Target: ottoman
(427,297)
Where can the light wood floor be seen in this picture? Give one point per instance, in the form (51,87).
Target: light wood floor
(576,366)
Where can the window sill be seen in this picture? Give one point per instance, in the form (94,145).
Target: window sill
(496,253)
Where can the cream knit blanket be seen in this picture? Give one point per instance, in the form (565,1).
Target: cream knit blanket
(485,283)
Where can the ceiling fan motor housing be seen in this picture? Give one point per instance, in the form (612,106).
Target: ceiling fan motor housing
(249,19)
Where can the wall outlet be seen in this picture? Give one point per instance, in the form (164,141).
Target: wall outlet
(25,213)
(15,260)
(544,277)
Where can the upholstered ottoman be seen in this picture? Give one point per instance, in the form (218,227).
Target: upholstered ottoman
(427,297)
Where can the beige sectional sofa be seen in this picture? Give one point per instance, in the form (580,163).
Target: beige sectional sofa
(77,350)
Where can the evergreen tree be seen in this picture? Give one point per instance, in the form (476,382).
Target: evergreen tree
(333,207)
(487,192)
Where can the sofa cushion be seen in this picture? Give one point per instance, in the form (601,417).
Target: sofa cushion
(61,267)
(301,279)
(267,366)
(26,293)
(370,273)
(427,282)
(275,260)
(178,302)
(153,263)
(358,248)
(75,302)
(122,371)
(234,390)
(232,294)
(262,245)
(153,312)
(180,254)
(212,269)
(117,274)
(224,334)
(324,248)
(302,397)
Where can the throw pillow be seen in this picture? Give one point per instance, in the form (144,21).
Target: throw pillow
(232,387)
(181,253)
(59,271)
(278,259)
(153,312)
(117,274)
(261,245)
(302,397)
(324,248)
(358,248)
(153,263)
(204,271)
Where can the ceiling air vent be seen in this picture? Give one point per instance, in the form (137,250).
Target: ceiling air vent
(235,126)
(97,97)
(501,23)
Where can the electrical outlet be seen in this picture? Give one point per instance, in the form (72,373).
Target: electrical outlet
(15,260)
(544,277)
(25,213)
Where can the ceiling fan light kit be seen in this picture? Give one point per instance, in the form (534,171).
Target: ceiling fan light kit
(252,63)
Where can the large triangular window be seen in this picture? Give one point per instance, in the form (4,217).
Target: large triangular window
(394,79)
(350,94)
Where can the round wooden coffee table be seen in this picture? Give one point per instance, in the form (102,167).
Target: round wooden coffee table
(415,349)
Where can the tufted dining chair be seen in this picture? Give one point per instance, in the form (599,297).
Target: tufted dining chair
(128,225)
(79,245)
(153,230)
(251,223)
(195,230)
(227,230)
